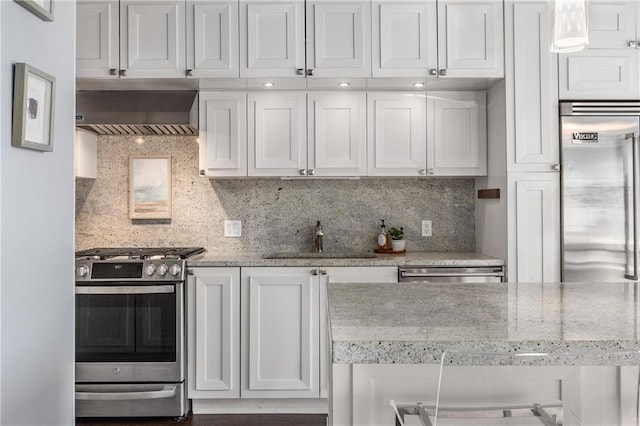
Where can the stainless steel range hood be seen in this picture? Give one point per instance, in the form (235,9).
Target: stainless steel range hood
(138,112)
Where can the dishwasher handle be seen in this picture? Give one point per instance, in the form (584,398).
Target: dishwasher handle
(405,274)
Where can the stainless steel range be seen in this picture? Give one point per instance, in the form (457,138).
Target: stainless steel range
(130,332)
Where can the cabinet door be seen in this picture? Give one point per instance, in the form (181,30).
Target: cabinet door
(277,134)
(470,38)
(272,39)
(223,138)
(97,39)
(404,38)
(457,136)
(152,38)
(339,38)
(534,222)
(280,333)
(396,137)
(535,89)
(612,24)
(212,38)
(599,74)
(356,274)
(214,333)
(337,142)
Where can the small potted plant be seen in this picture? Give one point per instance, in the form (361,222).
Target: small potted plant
(397,238)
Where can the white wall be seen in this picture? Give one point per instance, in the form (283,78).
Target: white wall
(37,229)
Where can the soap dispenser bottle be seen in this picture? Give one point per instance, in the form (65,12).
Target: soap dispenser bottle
(383,237)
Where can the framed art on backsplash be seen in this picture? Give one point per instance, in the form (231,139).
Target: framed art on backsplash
(150,187)
(33,101)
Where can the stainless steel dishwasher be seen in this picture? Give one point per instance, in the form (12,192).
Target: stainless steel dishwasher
(451,274)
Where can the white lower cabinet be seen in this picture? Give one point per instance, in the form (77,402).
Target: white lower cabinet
(280,327)
(534,223)
(281,314)
(213,333)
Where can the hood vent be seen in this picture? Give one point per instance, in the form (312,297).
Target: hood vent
(165,113)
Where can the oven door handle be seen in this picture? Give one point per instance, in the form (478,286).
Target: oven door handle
(168,391)
(125,289)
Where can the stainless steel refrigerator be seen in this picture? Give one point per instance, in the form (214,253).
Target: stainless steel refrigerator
(600,200)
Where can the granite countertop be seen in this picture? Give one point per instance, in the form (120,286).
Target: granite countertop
(346,259)
(413,323)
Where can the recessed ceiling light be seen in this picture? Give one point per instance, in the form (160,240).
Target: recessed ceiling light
(419,84)
(268,84)
(139,141)
(344,84)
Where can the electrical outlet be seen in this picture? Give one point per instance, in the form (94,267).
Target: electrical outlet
(426,228)
(233,228)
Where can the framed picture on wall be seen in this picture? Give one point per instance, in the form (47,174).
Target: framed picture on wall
(33,96)
(43,9)
(150,187)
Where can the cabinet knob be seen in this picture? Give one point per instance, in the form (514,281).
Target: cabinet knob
(423,172)
(633,43)
(314,272)
(113,71)
(303,172)
(123,73)
(189,73)
(310,71)
(323,272)
(433,71)
(312,172)
(300,71)
(443,72)
(430,172)
(556,167)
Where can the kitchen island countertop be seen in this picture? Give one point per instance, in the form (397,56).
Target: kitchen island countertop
(408,259)
(414,323)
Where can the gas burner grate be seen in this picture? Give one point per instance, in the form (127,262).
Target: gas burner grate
(104,253)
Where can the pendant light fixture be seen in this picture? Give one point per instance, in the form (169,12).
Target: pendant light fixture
(570,32)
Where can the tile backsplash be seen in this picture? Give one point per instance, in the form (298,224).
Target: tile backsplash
(277,215)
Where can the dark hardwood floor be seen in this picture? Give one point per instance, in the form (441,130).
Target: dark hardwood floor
(218,420)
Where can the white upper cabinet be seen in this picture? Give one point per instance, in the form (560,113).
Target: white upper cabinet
(223,130)
(404,38)
(152,38)
(337,143)
(212,39)
(396,134)
(470,38)
(333,144)
(532,80)
(457,135)
(97,41)
(609,68)
(339,38)
(277,134)
(272,38)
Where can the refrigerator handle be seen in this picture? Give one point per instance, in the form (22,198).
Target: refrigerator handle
(634,156)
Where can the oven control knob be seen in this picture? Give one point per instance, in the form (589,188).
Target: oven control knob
(149,269)
(82,271)
(162,270)
(175,270)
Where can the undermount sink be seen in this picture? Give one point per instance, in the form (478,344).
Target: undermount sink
(323,255)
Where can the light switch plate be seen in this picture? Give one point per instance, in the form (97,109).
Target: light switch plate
(426,228)
(233,228)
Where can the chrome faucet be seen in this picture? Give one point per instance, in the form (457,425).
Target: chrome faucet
(318,238)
